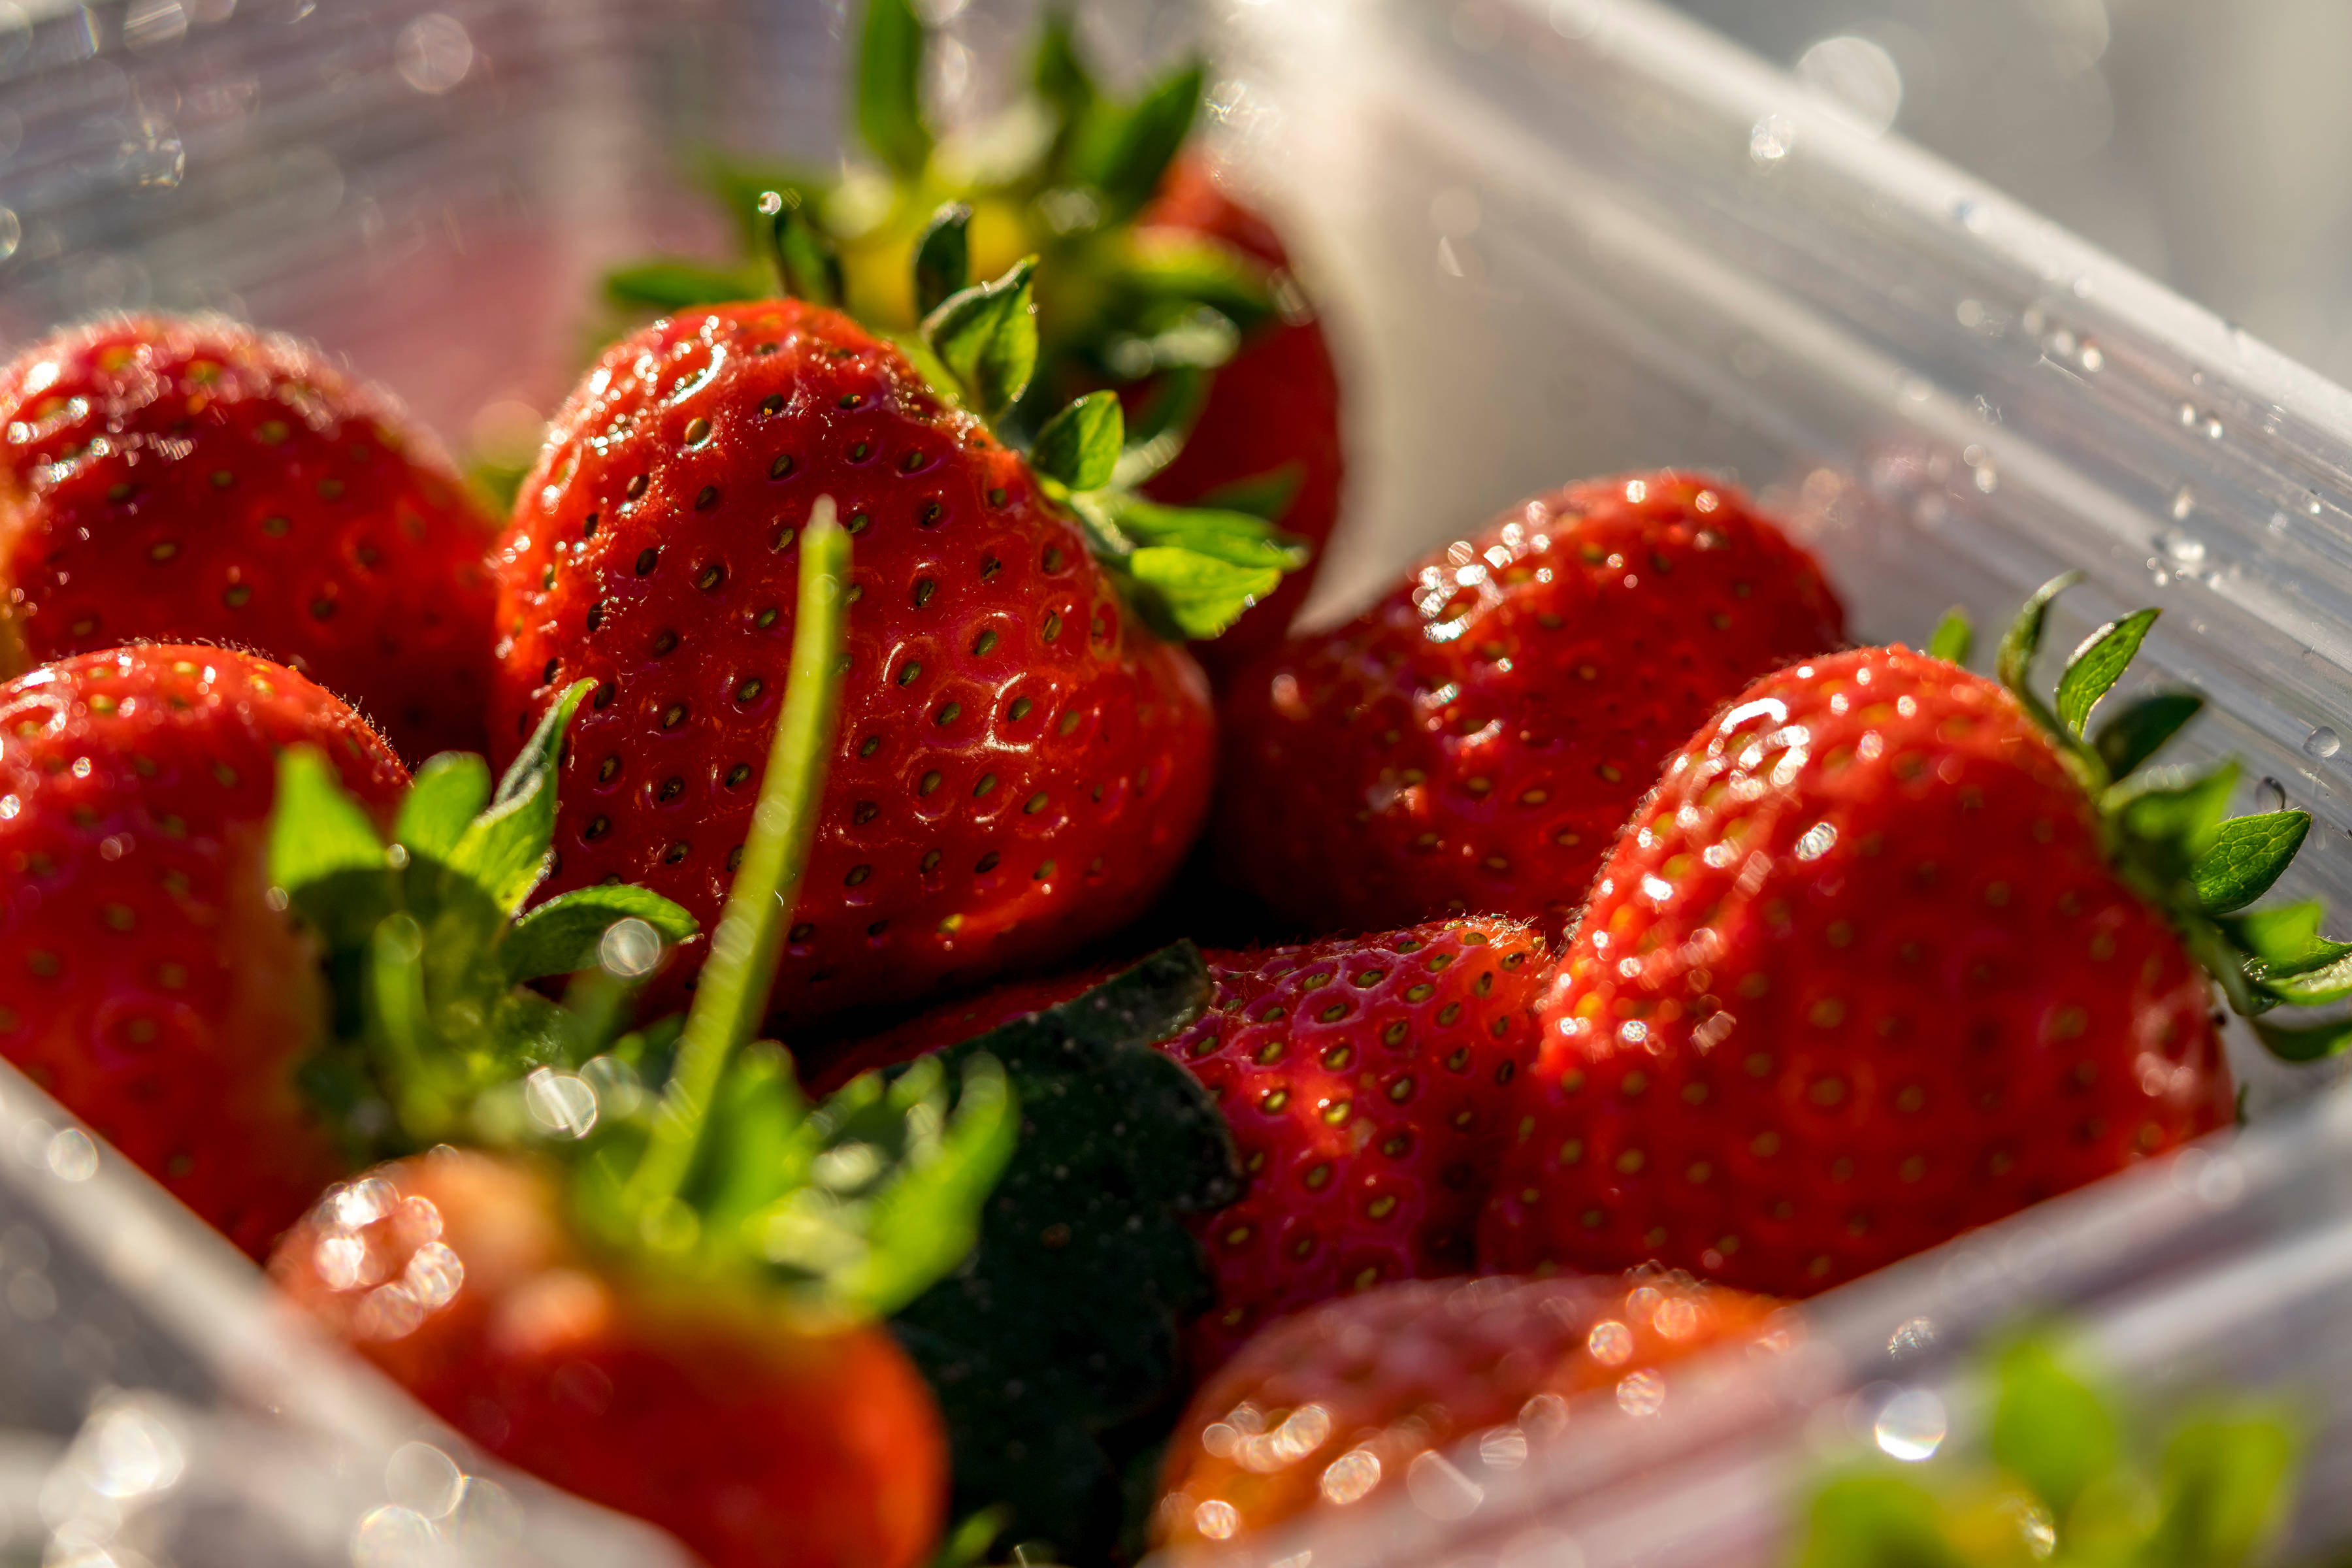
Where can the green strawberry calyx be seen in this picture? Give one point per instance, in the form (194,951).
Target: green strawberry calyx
(2167,832)
(691,1152)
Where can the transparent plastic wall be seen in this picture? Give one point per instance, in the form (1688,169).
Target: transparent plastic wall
(1552,240)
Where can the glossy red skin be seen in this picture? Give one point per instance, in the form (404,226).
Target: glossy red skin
(143,980)
(1413,1367)
(1368,1084)
(757,1444)
(1819,1066)
(1473,740)
(196,480)
(986,809)
(1276,403)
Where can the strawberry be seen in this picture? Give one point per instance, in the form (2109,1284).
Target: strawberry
(1268,427)
(198,481)
(661,1296)
(147,983)
(1024,757)
(1892,952)
(1152,277)
(1363,1078)
(1473,741)
(1362,1399)
(755,1442)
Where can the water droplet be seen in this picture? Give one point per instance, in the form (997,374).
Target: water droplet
(421,1477)
(560,1102)
(1860,76)
(2184,501)
(2093,360)
(628,949)
(2212,427)
(2188,414)
(1770,140)
(434,53)
(2186,550)
(2311,503)
(1912,1426)
(2322,742)
(1972,215)
(152,158)
(71,1156)
(1986,477)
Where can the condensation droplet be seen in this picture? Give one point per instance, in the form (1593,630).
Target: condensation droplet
(2185,551)
(2322,742)
(71,1156)
(560,1102)
(1770,140)
(629,949)
(2184,501)
(434,53)
(421,1477)
(1912,1426)
(392,1537)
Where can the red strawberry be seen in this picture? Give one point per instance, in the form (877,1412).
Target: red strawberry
(1345,1403)
(1021,764)
(1272,410)
(1473,741)
(199,480)
(144,980)
(757,1444)
(1869,969)
(1362,1078)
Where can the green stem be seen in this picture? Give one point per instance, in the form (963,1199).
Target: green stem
(733,996)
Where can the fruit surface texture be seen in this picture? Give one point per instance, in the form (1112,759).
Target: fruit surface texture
(1021,764)
(757,1444)
(1473,740)
(199,480)
(1856,978)
(144,980)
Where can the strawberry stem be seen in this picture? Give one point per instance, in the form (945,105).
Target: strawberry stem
(732,996)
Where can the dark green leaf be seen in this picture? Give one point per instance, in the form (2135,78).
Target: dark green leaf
(2286,939)
(1063,1327)
(670,286)
(2050,1428)
(891,87)
(2131,737)
(1080,446)
(506,847)
(2014,662)
(1163,267)
(968,1544)
(1955,638)
(2098,664)
(2223,1490)
(449,789)
(562,936)
(2249,854)
(1237,537)
(927,1219)
(1877,1521)
(315,829)
(807,266)
(987,337)
(1268,495)
(942,257)
(2175,822)
(1192,595)
(1128,166)
(2304,1045)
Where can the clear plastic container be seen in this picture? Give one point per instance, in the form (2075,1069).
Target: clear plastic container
(1550,240)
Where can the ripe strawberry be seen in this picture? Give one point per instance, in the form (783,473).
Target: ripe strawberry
(753,1440)
(198,481)
(145,982)
(1022,763)
(1473,741)
(1363,1080)
(1273,409)
(1347,1402)
(1871,967)
(661,1309)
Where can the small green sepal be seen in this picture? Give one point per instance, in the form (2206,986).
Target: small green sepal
(986,336)
(1079,448)
(942,257)
(1955,638)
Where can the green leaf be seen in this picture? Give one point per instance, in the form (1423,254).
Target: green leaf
(1058,71)
(1080,446)
(563,935)
(1877,1521)
(2223,1491)
(1955,638)
(942,257)
(505,848)
(807,267)
(1128,166)
(891,87)
(2050,1428)
(2284,939)
(1235,538)
(2014,662)
(967,1544)
(2175,823)
(450,789)
(2098,664)
(2308,1044)
(1159,431)
(1162,267)
(1062,1330)
(987,337)
(2249,854)
(927,1220)
(2129,739)
(1268,495)
(2315,986)
(1192,595)
(671,285)
(316,829)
